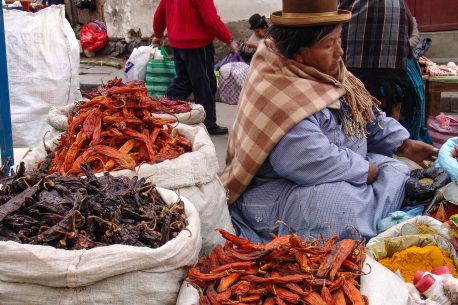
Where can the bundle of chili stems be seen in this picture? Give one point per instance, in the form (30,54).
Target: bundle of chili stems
(286,270)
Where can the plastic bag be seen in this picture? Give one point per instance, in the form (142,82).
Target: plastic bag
(442,127)
(416,189)
(231,57)
(419,231)
(135,67)
(231,81)
(381,286)
(398,217)
(93,36)
(445,159)
(159,74)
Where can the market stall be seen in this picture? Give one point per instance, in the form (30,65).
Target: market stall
(438,79)
(435,86)
(123,205)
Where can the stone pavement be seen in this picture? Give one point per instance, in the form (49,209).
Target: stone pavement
(91,76)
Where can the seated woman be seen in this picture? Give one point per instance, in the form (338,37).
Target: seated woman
(259,26)
(310,149)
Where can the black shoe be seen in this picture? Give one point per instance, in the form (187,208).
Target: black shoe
(217,130)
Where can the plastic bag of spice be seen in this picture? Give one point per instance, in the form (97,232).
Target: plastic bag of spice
(116,274)
(427,239)
(423,183)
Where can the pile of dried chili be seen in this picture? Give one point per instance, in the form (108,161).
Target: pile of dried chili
(167,106)
(287,270)
(75,213)
(117,130)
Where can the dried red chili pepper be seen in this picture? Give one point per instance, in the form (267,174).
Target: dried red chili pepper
(227,281)
(326,296)
(353,293)
(345,248)
(277,279)
(233,266)
(240,242)
(339,298)
(284,294)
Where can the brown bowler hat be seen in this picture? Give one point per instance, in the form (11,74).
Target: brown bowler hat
(297,13)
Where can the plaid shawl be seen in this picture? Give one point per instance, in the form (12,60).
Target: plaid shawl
(277,95)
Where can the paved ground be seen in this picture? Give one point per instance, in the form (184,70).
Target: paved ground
(92,76)
(225,116)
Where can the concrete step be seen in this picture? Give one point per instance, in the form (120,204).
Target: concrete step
(96,76)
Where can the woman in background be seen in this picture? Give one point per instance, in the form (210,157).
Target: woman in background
(259,26)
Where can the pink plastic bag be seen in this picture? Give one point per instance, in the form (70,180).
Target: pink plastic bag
(443,127)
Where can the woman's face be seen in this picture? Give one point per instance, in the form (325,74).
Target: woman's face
(260,32)
(324,55)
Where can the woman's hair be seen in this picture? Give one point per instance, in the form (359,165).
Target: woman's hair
(289,40)
(262,25)
(257,22)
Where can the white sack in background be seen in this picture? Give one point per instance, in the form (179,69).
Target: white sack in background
(43,69)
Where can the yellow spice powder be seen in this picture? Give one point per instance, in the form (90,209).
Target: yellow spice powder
(414,258)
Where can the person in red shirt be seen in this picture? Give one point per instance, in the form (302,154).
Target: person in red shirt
(192,25)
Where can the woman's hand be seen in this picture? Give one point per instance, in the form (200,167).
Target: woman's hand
(233,46)
(372,173)
(417,151)
(157,42)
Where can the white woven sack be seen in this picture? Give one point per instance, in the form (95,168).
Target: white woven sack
(193,117)
(193,175)
(188,295)
(117,274)
(57,116)
(382,286)
(43,69)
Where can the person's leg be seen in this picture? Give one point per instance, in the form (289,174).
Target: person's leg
(199,64)
(181,87)
(203,82)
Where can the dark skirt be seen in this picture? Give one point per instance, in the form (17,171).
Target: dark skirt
(395,88)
